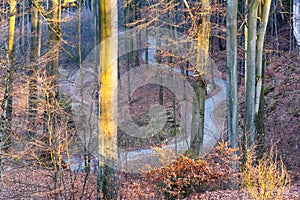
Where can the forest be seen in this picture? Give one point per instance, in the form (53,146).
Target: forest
(150,99)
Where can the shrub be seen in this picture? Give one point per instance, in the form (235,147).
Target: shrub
(268,179)
(184,176)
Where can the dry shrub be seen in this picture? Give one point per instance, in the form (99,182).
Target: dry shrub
(183,175)
(268,179)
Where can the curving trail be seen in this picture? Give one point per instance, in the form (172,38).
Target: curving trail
(137,160)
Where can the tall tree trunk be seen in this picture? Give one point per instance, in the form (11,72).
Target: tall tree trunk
(203,35)
(52,65)
(254,64)
(261,32)
(260,68)
(250,73)
(34,54)
(158,38)
(51,135)
(108,79)
(231,72)
(128,47)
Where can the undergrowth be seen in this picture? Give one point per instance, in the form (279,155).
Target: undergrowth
(267,178)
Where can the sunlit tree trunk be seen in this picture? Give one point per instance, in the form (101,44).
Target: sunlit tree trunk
(231,72)
(202,60)
(108,79)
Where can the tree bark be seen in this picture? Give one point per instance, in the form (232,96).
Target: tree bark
(108,80)
(34,54)
(202,48)
(231,72)
(250,128)
(261,32)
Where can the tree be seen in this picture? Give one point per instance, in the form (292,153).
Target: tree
(202,61)
(231,72)
(255,47)
(34,54)
(250,72)
(108,79)
(260,68)
(51,95)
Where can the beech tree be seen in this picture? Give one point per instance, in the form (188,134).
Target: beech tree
(108,80)
(34,58)
(255,47)
(231,72)
(202,61)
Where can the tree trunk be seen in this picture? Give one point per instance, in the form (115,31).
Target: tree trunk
(108,79)
(52,66)
(250,128)
(260,118)
(261,32)
(203,35)
(231,72)
(34,54)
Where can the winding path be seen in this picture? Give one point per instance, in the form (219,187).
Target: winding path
(137,160)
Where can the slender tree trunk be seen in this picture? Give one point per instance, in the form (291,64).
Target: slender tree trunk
(231,73)
(261,32)
(34,54)
(159,60)
(260,118)
(276,28)
(254,64)
(108,79)
(52,65)
(250,128)
(137,14)
(128,47)
(203,35)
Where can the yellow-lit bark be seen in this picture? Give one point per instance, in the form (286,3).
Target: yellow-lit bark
(12,21)
(108,80)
